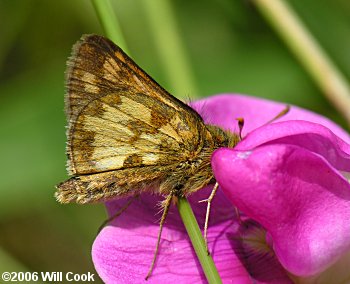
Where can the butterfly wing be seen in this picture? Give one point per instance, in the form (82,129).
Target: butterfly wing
(118,116)
(120,120)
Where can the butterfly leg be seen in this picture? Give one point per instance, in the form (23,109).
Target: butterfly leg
(117,214)
(238,216)
(166,205)
(209,200)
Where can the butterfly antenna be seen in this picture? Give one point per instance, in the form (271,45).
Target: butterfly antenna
(279,115)
(166,205)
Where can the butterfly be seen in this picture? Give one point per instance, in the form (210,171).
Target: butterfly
(127,135)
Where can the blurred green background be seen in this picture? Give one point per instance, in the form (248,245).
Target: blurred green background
(230,48)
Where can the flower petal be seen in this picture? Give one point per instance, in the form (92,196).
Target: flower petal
(123,251)
(308,135)
(296,195)
(222,110)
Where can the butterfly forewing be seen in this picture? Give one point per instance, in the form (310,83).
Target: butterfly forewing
(121,121)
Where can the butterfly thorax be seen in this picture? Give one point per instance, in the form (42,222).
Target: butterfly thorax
(223,138)
(196,172)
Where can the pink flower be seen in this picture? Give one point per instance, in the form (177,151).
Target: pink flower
(287,177)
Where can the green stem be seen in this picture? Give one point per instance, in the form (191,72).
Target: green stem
(310,54)
(197,240)
(170,47)
(109,22)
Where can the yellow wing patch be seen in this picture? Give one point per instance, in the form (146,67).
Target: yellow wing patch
(136,110)
(93,87)
(122,134)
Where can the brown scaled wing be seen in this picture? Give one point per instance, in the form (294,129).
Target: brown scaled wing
(125,132)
